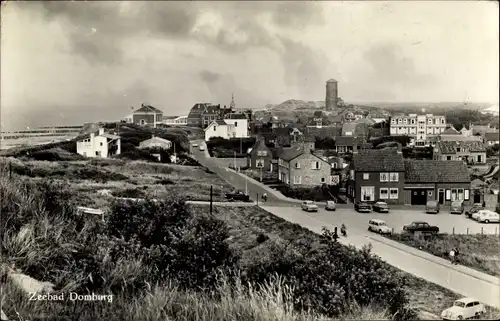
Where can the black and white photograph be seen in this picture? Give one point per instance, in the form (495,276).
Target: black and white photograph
(249,160)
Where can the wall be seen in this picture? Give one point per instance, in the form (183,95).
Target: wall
(471,156)
(374,180)
(220,131)
(432,192)
(89,149)
(309,177)
(148,118)
(267,159)
(240,126)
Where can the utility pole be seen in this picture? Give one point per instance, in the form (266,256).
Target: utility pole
(241,146)
(211,198)
(234,160)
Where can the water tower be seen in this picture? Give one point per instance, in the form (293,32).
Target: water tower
(331,94)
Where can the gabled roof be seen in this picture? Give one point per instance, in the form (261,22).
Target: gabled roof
(451,131)
(492,137)
(218,122)
(157,139)
(148,109)
(236,116)
(211,109)
(378,160)
(290,153)
(451,147)
(435,171)
(259,144)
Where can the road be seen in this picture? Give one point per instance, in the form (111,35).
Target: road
(462,280)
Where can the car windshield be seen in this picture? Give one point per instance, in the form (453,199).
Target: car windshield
(459,304)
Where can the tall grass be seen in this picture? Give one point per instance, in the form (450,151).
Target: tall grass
(234,301)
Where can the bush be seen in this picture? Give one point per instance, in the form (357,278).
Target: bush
(318,193)
(130,193)
(137,154)
(331,278)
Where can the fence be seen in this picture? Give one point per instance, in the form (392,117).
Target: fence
(487,229)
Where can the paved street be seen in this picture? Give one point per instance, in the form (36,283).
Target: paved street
(465,281)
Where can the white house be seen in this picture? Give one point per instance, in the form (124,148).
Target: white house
(240,123)
(175,120)
(156,142)
(99,144)
(219,128)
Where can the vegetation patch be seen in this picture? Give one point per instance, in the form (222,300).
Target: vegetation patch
(478,251)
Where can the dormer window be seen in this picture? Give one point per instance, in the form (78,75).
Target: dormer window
(458,149)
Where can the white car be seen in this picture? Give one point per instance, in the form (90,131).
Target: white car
(195,145)
(474,216)
(309,206)
(379,226)
(202,148)
(465,308)
(486,216)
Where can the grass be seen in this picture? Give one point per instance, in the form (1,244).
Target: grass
(247,223)
(87,179)
(271,302)
(479,252)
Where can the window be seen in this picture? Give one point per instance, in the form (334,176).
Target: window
(323,180)
(466,194)
(448,157)
(479,159)
(394,194)
(366,176)
(297,179)
(280,162)
(442,121)
(315,165)
(367,193)
(448,194)
(264,153)
(334,165)
(453,194)
(101,143)
(405,121)
(413,121)
(235,124)
(460,194)
(215,128)
(384,193)
(97,153)
(384,177)
(394,177)
(297,165)
(259,163)
(458,149)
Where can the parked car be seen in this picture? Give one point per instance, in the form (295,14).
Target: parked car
(238,196)
(379,226)
(195,145)
(421,227)
(465,308)
(362,207)
(457,207)
(487,216)
(474,209)
(202,148)
(309,206)
(432,207)
(330,206)
(381,207)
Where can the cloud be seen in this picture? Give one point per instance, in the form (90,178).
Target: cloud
(209,77)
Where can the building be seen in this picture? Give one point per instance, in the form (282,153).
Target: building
(419,127)
(157,142)
(298,167)
(491,138)
(453,135)
(349,144)
(480,130)
(444,181)
(99,144)
(260,156)
(331,94)
(175,120)
(377,174)
(240,122)
(219,128)
(194,117)
(147,116)
(318,120)
(470,152)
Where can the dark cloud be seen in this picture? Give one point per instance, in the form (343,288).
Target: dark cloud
(305,68)
(392,67)
(209,77)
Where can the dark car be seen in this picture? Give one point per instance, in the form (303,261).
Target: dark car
(238,196)
(381,207)
(362,207)
(474,209)
(421,227)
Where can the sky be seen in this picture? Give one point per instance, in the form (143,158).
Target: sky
(75,62)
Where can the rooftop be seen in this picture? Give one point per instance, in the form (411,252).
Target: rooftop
(492,137)
(430,171)
(378,160)
(451,147)
(148,109)
(236,116)
(290,153)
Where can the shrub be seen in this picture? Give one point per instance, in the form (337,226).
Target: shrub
(130,193)
(165,182)
(137,154)
(261,238)
(318,193)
